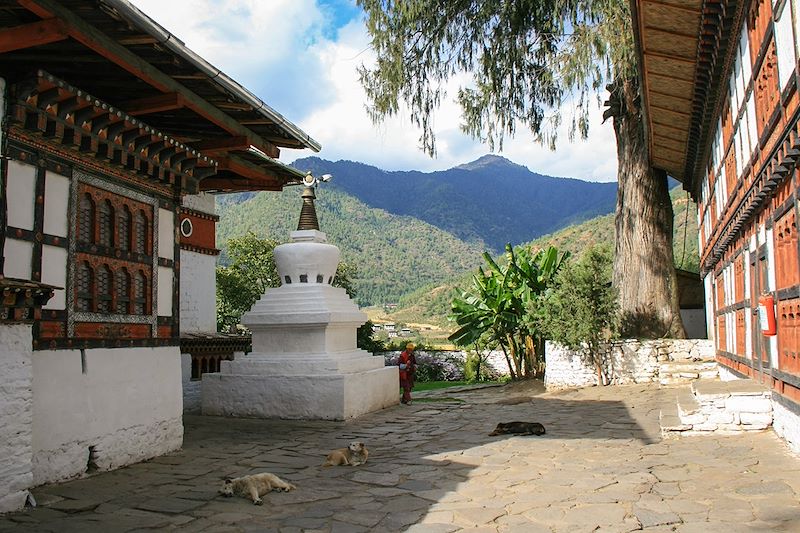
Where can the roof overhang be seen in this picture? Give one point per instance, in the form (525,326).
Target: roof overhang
(683,53)
(113,51)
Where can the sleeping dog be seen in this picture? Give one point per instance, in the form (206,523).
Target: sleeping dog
(518,428)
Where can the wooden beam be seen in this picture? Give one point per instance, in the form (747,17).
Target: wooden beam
(137,39)
(46,31)
(223,184)
(247,170)
(153,104)
(93,38)
(221,145)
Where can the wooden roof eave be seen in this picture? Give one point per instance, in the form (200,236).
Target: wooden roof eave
(135,16)
(102,44)
(711,65)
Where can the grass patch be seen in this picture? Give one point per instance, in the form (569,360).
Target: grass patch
(433,385)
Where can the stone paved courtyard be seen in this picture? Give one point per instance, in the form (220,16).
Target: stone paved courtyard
(432,468)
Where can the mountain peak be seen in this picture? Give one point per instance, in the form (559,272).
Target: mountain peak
(489,160)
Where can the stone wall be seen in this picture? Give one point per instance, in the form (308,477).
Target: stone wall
(100,409)
(625,361)
(16,416)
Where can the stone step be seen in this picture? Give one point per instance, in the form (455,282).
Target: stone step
(673,372)
(718,406)
(687,366)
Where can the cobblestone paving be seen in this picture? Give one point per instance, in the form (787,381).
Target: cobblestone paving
(432,468)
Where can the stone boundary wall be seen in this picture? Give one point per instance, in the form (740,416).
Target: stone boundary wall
(16,416)
(625,361)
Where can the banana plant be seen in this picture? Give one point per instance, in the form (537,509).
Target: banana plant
(495,307)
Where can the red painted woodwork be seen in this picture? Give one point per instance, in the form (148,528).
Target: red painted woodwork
(52,330)
(111,331)
(767,93)
(787,270)
(738,276)
(788,317)
(758,22)
(203,231)
(164,332)
(740,333)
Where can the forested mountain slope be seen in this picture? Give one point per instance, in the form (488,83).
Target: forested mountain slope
(431,303)
(393,254)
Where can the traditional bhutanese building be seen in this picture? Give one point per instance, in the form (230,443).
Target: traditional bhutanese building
(113,135)
(720,93)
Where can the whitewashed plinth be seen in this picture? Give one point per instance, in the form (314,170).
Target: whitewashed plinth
(305,363)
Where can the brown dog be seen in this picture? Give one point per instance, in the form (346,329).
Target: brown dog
(518,428)
(354,455)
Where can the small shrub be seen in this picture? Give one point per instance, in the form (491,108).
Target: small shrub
(471,368)
(434,366)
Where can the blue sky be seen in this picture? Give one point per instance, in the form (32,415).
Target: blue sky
(301,56)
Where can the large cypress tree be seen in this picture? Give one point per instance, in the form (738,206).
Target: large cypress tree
(526,60)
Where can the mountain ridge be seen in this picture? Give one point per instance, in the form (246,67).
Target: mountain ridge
(489,201)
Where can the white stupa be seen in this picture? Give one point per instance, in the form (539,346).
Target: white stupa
(305,363)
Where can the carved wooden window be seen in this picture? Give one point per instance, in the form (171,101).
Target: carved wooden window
(106,223)
(86,219)
(104,285)
(140,237)
(84,287)
(139,293)
(124,228)
(122,291)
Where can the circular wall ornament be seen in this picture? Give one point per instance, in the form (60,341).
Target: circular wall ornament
(186,227)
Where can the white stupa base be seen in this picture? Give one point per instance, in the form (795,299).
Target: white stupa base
(308,388)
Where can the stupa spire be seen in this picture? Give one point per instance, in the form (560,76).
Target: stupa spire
(308,213)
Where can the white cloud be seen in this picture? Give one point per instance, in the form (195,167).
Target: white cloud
(279,50)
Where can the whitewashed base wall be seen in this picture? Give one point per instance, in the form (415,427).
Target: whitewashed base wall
(786,422)
(191,389)
(16,416)
(116,407)
(626,361)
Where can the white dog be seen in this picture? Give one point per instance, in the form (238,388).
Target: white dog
(254,486)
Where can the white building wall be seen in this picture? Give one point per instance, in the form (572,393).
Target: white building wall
(16,416)
(786,422)
(18,257)
(203,202)
(164,291)
(198,293)
(54,272)
(166,234)
(21,190)
(56,204)
(123,404)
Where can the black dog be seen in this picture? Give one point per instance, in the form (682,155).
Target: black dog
(520,428)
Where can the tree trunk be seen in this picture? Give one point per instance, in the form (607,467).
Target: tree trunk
(508,362)
(644,271)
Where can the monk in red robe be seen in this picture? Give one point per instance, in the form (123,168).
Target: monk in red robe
(408,364)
